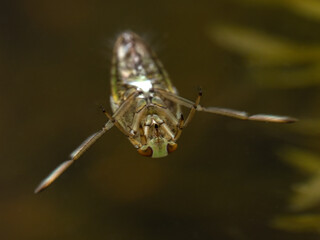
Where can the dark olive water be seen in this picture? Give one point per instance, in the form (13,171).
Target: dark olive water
(229,179)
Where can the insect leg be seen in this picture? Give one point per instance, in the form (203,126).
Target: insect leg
(193,109)
(136,119)
(73,156)
(225,111)
(142,136)
(184,102)
(125,105)
(245,116)
(117,124)
(119,112)
(180,127)
(167,130)
(179,123)
(165,111)
(175,98)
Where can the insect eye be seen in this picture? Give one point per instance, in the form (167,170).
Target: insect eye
(146,152)
(171,147)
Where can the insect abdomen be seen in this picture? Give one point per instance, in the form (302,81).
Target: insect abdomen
(134,64)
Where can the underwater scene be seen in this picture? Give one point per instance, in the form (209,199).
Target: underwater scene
(228,175)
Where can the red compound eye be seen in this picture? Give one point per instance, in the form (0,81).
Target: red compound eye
(147,153)
(171,147)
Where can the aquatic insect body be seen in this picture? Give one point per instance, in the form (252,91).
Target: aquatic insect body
(146,106)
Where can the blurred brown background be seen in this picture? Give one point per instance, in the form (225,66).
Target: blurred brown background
(229,179)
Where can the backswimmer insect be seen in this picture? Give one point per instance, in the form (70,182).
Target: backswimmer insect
(146,106)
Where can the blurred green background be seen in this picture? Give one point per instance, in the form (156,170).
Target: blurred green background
(229,179)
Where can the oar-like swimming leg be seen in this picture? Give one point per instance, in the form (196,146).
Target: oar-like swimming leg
(73,157)
(87,143)
(245,116)
(225,111)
